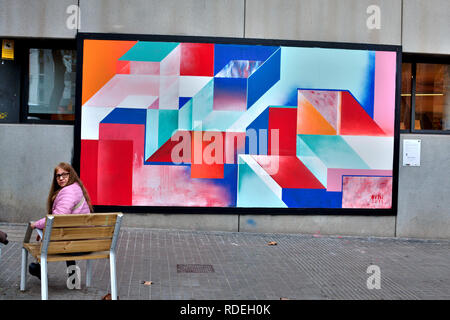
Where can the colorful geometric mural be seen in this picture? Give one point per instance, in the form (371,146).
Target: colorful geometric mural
(227,125)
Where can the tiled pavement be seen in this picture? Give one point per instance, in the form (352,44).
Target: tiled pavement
(243,266)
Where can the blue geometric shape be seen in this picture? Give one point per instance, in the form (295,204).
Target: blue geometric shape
(369,98)
(264,78)
(225,53)
(182,101)
(311,198)
(254,133)
(126,116)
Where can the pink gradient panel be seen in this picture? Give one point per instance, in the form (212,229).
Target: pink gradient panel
(172,185)
(326,102)
(144,67)
(230,102)
(384,100)
(367,192)
(334,176)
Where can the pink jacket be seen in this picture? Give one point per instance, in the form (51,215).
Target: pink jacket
(65,202)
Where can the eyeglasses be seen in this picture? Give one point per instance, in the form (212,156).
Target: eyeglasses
(62,175)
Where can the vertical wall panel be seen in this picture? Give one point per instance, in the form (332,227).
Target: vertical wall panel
(224,18)
(28,155)
(323,20)
(426,26)
(423,199)
(36,18)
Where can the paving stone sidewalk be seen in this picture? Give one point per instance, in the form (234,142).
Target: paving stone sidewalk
(156,264)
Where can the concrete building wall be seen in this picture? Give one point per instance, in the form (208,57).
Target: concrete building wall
(28,155)
(325,20)
(426,26)
(29,152)
(224,18)
(424,202)
(36,18)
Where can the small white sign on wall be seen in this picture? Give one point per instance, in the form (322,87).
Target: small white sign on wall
(411,152)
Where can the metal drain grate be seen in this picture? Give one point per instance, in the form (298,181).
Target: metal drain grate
(194,268)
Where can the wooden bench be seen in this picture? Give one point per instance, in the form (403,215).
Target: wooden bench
(89,236)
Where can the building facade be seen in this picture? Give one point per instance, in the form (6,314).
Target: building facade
(36,134)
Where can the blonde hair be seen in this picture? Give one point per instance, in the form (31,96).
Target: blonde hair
(55,188)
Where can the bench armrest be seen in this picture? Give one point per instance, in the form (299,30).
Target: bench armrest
(27,237)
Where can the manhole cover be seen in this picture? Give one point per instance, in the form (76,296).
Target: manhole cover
(195,268)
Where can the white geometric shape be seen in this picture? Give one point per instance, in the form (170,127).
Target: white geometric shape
(90,120)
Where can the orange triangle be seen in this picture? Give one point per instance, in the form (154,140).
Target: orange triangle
(100,63)
(310,121)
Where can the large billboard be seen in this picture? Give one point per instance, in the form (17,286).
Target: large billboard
(212,123)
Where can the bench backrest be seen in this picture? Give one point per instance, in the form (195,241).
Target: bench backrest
(80,233)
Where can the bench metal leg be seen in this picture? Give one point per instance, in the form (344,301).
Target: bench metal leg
(88,272)
(112,263)
(44,279)
(23,272)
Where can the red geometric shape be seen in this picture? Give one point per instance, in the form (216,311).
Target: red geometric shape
(291,173)
(285,120)
(164,153)
(197,59)
(115,172)
(128,132)
(209,171)
(200,168)
(88,167)
(123,67)
(355,120)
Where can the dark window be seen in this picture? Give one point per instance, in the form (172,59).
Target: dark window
(49,80)
(51,84)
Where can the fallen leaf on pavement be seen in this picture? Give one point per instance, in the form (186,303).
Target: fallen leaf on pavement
(108,297)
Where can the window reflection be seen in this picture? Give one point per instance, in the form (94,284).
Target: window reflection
(51,93)
(405,111)
(432,107)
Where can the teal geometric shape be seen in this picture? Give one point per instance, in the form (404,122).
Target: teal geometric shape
(311,161)
(159,128)
(253,191)
(331,150)
(185,116)
(149,51)
(219,120)
(168,124)
(202,105)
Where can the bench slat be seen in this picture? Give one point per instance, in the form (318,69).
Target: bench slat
(68,233)
(87,256)
(78,246)
(77,220)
